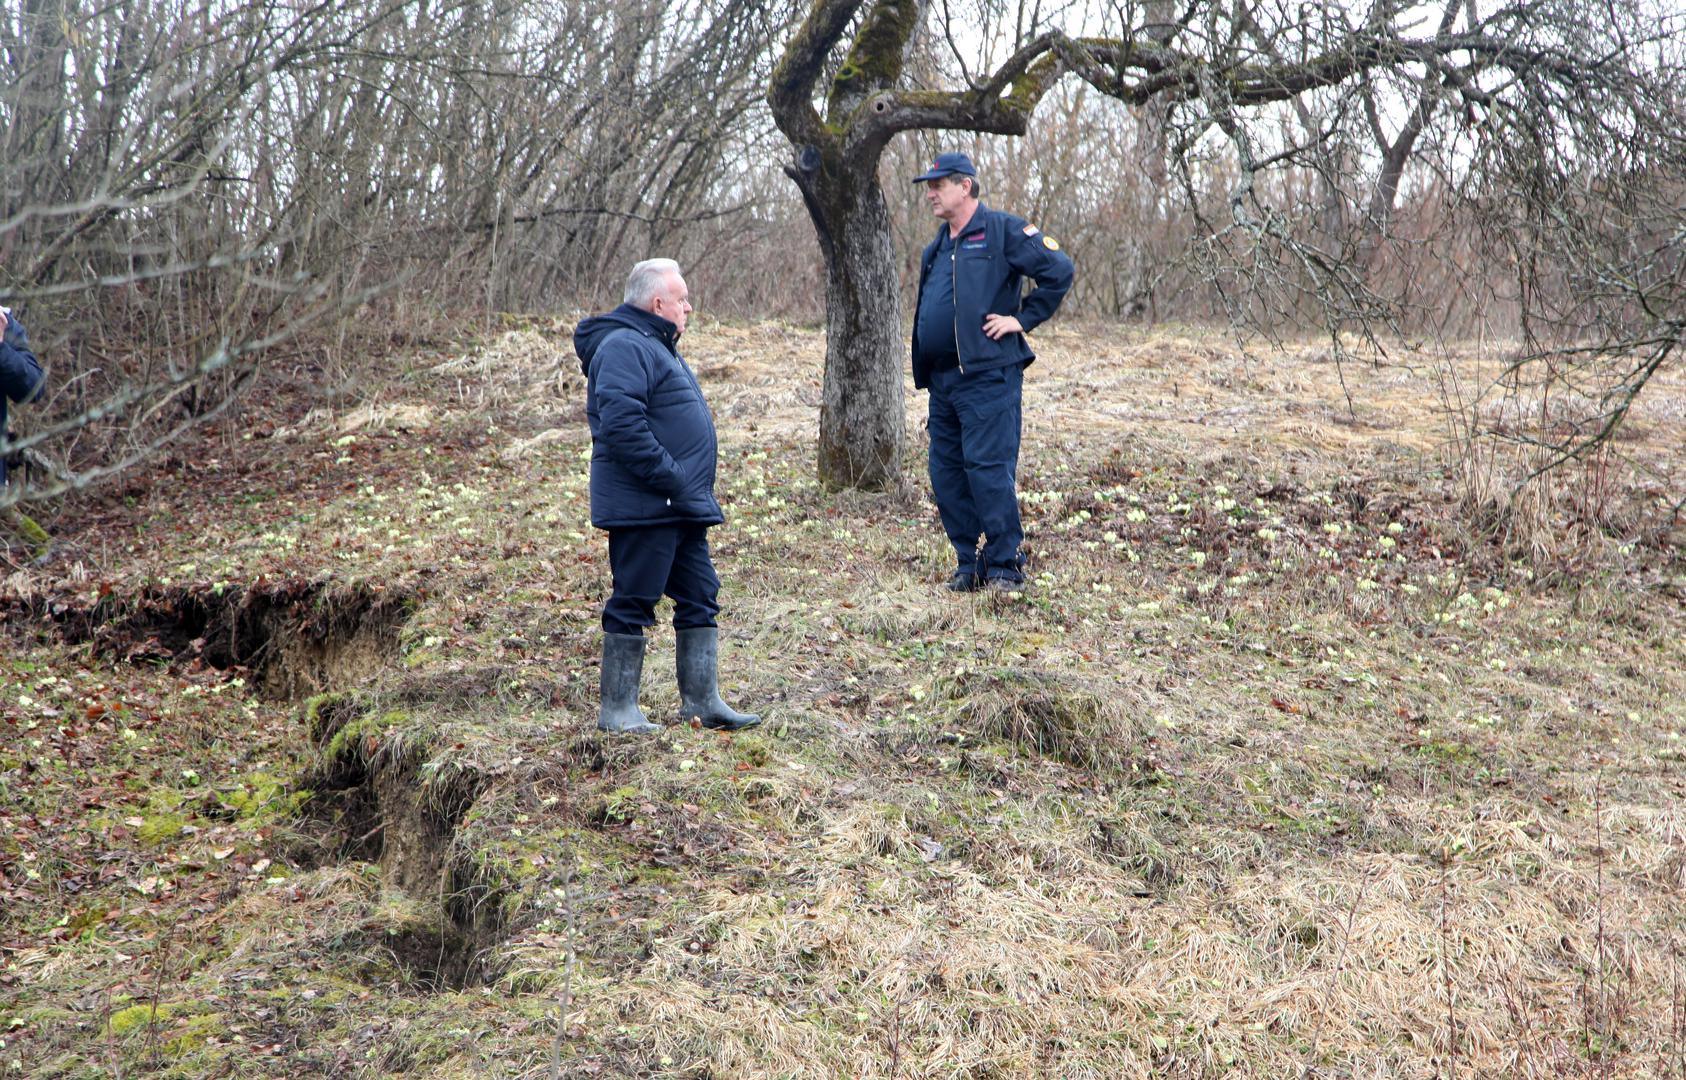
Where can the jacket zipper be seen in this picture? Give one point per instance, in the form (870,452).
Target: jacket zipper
(954,278)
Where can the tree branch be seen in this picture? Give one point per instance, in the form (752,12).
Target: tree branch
(876,59)
(790,91)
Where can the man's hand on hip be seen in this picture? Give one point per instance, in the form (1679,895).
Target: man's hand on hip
(996,327)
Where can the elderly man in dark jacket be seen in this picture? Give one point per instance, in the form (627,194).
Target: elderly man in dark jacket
(652,488)
(20,372)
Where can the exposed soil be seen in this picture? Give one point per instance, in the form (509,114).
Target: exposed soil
(292,638)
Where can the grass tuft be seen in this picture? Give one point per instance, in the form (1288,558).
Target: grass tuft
(1056,716)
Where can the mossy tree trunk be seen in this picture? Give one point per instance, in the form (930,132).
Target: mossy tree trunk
(861,429)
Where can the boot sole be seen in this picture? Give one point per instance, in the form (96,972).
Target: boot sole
(645,730)
(727,725)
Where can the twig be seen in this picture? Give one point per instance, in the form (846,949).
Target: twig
(162,961)
(111,1053)
(896,1037)
(700,216)
(570,917)
(1445,960)
(474,1053)
(1677,1011)
(1517,1007)
(1334,976)
(1600,1005)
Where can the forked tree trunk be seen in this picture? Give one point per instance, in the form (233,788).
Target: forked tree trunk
(862,427)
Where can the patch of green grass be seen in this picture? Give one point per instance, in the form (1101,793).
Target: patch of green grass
(262,797)
(127,1020)
(159,829)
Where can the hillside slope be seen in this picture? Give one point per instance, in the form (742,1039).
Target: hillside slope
(1280,766)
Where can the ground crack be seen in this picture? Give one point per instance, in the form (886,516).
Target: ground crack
(293,637)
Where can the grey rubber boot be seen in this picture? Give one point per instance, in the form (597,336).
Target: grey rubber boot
(623,664)
(699,681)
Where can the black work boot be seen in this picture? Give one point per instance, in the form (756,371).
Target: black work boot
(699,681)
(963,581)
(623,664)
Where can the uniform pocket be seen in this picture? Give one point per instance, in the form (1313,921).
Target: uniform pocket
(979,394)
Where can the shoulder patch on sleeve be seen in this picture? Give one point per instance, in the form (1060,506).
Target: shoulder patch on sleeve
(1030,230)
(1050,243)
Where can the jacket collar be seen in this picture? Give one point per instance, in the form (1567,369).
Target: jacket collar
(973,222)
(648,322)
(977,221)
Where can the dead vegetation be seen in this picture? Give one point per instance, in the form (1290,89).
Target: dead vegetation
(1283,765)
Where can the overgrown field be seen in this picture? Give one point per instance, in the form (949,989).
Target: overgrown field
(1296,758)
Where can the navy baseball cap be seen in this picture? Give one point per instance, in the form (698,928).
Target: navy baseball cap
(955,164)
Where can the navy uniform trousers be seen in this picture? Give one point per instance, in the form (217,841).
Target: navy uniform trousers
(974,423)
(649,560)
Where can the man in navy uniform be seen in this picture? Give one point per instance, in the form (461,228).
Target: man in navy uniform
(969,350)
(652,488)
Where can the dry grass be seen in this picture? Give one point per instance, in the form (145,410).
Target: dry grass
(1280,768)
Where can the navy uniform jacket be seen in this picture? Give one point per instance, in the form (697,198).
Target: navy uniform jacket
(988,273)
(652,437)
(20,372)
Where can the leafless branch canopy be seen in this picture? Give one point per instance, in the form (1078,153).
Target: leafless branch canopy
(192,191)
(1541,145)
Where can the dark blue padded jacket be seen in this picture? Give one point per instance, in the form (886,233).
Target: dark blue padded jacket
(993,255)
(20,373)
(652,437)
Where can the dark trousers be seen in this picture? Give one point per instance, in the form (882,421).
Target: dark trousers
(974,424)
(655,559)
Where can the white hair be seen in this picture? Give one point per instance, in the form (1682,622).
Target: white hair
(646,280)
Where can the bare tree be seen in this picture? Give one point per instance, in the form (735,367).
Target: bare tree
(193,191)
(186,186)
(1527,104)
(126,215)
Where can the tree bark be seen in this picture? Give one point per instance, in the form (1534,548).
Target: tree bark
(862,431)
